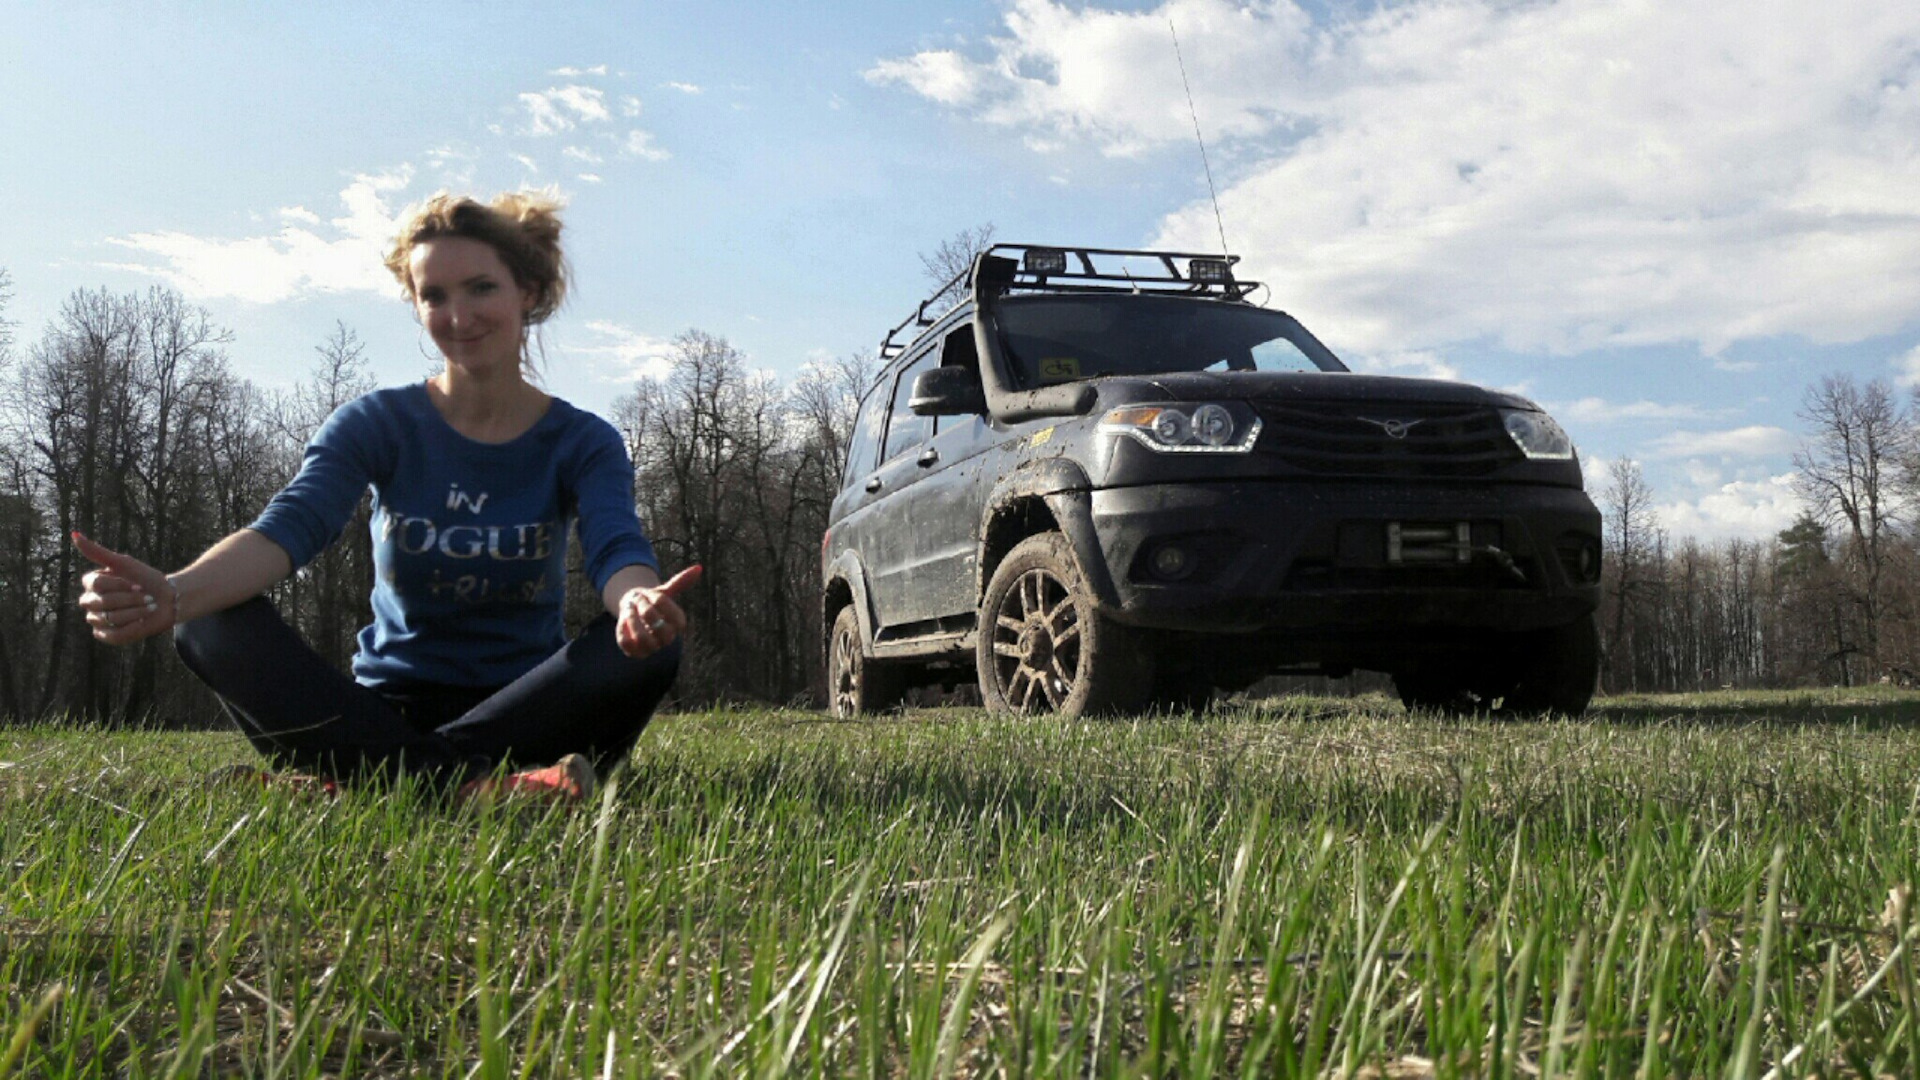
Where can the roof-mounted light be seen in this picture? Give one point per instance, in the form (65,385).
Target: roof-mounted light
(1044,261)
(1210,271)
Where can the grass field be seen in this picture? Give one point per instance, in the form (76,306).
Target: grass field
(1701,886)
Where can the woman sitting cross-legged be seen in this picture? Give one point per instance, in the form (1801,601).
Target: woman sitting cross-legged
(465,672)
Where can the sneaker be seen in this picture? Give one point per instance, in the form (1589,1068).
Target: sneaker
(569,780)
(255,776)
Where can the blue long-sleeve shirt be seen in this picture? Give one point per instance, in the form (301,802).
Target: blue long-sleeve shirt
(469,538)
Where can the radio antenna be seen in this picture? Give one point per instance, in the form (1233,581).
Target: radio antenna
(1218,221)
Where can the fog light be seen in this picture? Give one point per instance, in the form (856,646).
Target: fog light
(1170,561)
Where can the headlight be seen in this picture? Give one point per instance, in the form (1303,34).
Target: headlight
(1186,429)
(1537,436)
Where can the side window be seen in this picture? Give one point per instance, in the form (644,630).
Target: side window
(865,443)
(906,430)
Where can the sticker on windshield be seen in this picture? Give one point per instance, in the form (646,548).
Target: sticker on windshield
(1059,368)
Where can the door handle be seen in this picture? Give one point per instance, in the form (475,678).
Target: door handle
(873,484)
(927,457)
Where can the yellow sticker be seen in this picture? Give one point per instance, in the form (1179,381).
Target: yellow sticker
(1059,368)
(1039,437)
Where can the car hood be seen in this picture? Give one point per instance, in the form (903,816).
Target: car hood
(1297,386)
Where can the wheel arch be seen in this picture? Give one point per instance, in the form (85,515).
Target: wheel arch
(1047,496)
(846,586)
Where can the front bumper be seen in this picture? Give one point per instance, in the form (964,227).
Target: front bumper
(1294,558)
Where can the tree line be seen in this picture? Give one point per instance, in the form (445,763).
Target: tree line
(1833,599)
(124,419)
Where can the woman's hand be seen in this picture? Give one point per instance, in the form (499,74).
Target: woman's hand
(650,620)
(125,600)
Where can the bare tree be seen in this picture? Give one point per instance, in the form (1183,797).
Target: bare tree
(826,396)
(683,447)
(177,354)
(20,608)
(72,398)
(1848,476)
(6,324)
(328,599)
(102,428)
(1632,541)
(947,265)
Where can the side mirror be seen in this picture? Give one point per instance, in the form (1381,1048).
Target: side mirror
(947,391)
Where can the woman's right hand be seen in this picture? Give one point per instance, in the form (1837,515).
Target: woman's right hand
(125,599)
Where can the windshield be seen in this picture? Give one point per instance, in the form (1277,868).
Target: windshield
(1055,339)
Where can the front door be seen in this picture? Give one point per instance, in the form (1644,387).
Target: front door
(893,513)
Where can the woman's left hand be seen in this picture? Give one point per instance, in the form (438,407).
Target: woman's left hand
(650,619)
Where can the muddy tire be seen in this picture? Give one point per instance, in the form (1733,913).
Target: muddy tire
(1561,669)
(856,685)
(1044,648)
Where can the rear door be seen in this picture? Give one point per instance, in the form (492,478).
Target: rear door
(852,512)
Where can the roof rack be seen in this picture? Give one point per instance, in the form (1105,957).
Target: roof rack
(1047,268)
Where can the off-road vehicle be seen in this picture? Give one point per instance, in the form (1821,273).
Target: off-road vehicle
(1106,480)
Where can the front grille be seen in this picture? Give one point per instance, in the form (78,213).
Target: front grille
(1356,439)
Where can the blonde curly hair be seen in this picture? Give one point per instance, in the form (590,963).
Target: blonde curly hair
(522,227)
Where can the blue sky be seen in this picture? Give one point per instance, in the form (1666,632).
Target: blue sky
(1661,220)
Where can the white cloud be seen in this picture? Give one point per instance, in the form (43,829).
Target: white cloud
(1700,474)
(639,144)
(526,162)
(583,154)
(1421,365)
(563,108)
(629,106)
(944,76)
(1753,441)
(306,256)
(1112,77)
(1906,368)
(684,87)
(1555,175)
(588,178)
(579,72)
(1593,410)
(624,355)
(454,165)
(1593,472)
(1744,509)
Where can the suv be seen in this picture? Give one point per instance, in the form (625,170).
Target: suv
(1105,481)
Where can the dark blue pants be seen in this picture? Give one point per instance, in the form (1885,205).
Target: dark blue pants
(300,712)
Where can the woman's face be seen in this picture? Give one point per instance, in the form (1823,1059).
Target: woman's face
(467,300)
